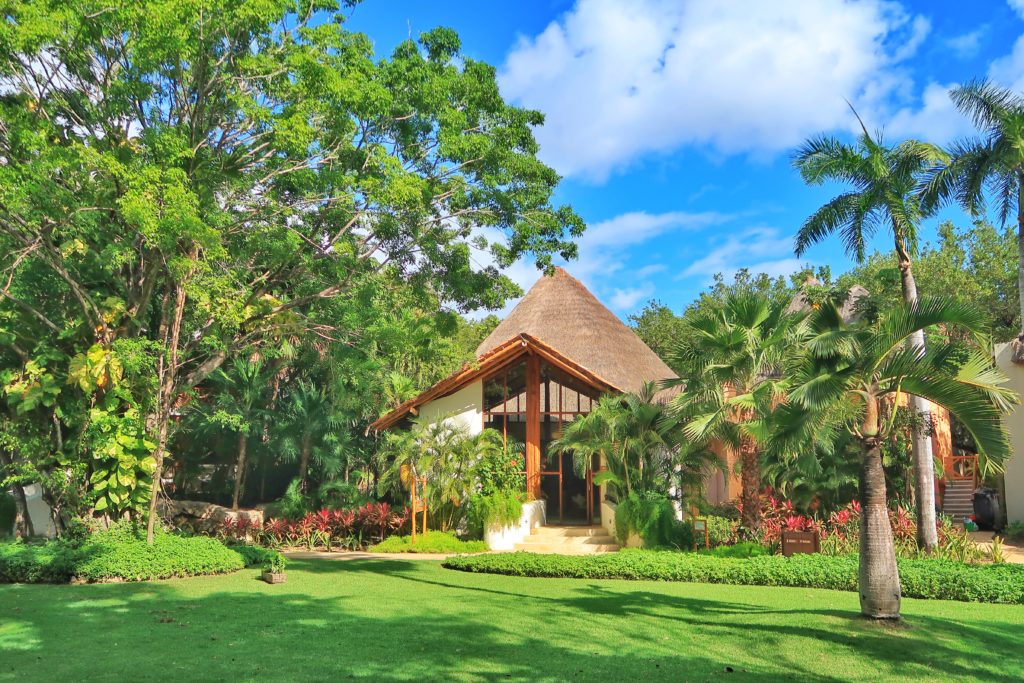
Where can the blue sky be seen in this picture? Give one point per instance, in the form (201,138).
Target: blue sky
(672,122)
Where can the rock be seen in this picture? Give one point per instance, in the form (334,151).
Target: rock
(1017,351)
(205,518)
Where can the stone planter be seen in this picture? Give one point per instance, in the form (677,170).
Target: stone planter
(274,577)
(505,538)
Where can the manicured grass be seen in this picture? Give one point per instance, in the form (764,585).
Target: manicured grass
(413,620)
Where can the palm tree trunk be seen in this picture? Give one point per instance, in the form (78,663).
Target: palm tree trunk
(307,445)
(750,477)
(878,578)
(1020,249)
(243,441)
(924,464)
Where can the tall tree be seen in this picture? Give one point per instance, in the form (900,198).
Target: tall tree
(993,162)
(884,181)
(309,416)
(736,357)
(239,403)
(183,181)
(857,368)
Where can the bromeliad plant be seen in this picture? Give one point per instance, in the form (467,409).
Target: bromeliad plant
(862,365)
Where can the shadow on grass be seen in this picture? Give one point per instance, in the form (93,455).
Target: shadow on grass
(410,620)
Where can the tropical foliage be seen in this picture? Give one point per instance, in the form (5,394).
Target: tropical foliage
(863,365)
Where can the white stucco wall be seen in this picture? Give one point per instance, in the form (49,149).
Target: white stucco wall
(506,538)
(1014,476)
(465,406)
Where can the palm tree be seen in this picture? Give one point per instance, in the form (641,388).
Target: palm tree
(444,451)
(241,390)
(736,355)
(862,366)
(994,162)
(884,181)
(309,420)
(640,447)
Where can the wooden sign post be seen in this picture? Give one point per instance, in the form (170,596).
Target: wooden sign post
(419,504)
(700,526)
(794,542)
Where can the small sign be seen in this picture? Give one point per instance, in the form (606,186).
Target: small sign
(794,542)
(700,528)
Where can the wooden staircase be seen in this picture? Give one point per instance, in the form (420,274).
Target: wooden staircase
(568,540)
(958,501)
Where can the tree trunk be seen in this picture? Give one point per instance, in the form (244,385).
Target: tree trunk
(307,446)
(243,441)
(924,464)
(750,477)
(22,519)
(154,493)
(878,578)
(1020,250)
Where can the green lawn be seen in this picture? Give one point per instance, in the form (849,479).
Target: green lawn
(413,620)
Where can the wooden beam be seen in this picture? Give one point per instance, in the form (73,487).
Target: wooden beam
(533,426)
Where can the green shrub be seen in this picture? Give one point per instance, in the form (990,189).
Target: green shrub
(8,513)
(1014,531)
(275,564)
(37,562)
(254,555)
(935,579)
(430,542)
(650,515)
(741,550)
(117,553)
(504,508)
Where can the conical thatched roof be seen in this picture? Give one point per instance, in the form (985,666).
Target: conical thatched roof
(563,314)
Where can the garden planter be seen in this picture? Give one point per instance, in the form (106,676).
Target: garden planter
(505,538)
(274,577)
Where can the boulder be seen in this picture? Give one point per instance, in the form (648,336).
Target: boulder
(205,518)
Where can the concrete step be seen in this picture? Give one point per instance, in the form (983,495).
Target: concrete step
(568,540)
(566,548)
(569,531)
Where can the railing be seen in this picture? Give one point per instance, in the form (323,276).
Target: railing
(963,468)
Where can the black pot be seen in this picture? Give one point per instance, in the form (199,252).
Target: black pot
(987,512)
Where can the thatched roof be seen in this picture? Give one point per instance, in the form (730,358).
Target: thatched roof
(563,323)
(563,314)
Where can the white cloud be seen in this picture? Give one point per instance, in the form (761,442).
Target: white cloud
(626,300)
(1009,70)
(1018,7)
(758,249)
(967,45)
(604,247)
(935,120)
(650,270)
(618,81)
(604,250)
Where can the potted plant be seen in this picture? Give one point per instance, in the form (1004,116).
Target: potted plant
(273,569)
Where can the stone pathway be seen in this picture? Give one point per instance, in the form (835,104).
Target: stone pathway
(1014,552)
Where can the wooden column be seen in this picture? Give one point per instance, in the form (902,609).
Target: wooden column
(533,426)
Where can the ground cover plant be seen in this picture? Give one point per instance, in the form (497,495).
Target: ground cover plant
(936,579)
(389,620)
(121,553)
(430,542)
